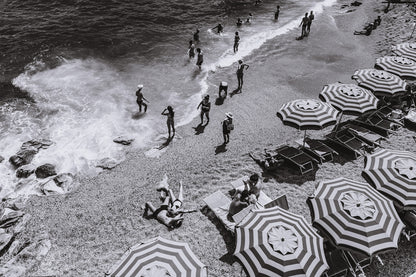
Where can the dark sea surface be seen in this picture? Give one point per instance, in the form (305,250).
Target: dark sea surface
(69,70)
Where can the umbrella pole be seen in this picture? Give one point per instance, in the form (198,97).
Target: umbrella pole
(304,137)
(339,121)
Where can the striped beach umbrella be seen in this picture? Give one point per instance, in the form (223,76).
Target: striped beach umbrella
(401,66)
(380,82)
(406,49)
(355,216)
(307,114)
(274,242)
(349,98)
(159,257)
(393,173)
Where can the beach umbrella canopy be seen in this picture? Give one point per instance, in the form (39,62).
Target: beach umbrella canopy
(349,98)
(393,173)
(380,82)
(159,257)
(401,66)
(355,216)
(406,49)
(308,114)
(274,242)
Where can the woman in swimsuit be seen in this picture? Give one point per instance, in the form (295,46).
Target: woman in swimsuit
(191,50)
(170,122)
(240,73)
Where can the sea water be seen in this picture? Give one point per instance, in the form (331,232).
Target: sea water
(69,70)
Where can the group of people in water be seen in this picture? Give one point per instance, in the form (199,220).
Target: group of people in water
(306,24)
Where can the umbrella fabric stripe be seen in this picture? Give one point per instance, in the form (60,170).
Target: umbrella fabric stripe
(161,260)
(390,86)
(405,49)
(389,64)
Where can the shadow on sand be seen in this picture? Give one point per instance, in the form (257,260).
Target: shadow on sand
(236,91)
(220,149)
(200,128)
(138,115)
(219,101)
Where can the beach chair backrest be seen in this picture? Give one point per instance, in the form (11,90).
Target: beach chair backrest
(216,200)
(281,202)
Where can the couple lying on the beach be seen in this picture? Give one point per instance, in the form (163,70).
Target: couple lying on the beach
(170,212)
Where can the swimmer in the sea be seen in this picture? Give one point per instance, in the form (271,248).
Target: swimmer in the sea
(200,58)
(239,22)
(196,36)
(219,28)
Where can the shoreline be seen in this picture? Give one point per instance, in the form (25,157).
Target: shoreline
(92,227)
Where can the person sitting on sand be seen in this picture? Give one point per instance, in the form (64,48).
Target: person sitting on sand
(304,24)
(219,28)
(367,30)
(239,22)
(170,211)
(239,202)
(223,87)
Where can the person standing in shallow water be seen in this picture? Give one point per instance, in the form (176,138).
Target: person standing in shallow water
(236,42)
(205,108)
(170,120)
(196,36)
(227,127)
(304,24)
(140,98)
(219,28)
(191,49)
(276,13)
(310,18)
(200,58)
(240,73)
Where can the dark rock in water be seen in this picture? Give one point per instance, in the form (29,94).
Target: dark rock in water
(9,217)
(5,240)
(25,171)
(61,184)
(1,159)
(123,140)
(37,143)
(23,156)
(45,170)
(107,163)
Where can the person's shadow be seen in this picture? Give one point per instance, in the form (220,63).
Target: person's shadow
(166,143)
(219,101)
(234,92)
(200,128)
(137,115)
(220,149)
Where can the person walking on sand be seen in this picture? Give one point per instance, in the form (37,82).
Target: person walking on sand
(191,50)
(200,58)
(223,87)
(276,13)
(140,98)
(236,42)
(240,73)
(310,19)
(227,127)
(205,108)
(196,36)
(219,28)
(304,24)
(170,122)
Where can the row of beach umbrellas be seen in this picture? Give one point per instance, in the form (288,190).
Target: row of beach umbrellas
(355,216)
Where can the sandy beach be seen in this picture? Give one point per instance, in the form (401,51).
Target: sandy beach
(92,227)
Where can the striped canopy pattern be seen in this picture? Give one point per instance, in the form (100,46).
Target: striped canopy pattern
(380,82)
(308,114)
(393,173)
(406,49)
(274,242)
(401,66)
(355,216)
(349,98)
(159,257)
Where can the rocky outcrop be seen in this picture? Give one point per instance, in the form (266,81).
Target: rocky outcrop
(28,150)
(123,140)
(25,171)
(23,156)
(61,184)
(9,217)
(107,163)
(45,171)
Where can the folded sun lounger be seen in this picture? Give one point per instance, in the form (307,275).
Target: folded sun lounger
(349,142)
(363,133)
(376,123)
(296,157)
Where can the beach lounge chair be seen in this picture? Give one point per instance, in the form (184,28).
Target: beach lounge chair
(409,219)
(281,202)
(368,136)
(295,157)
(317,149)
(338,266)
(348,141)
(376,123)
(219,204)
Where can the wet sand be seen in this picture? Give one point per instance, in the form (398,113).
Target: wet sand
(92,227)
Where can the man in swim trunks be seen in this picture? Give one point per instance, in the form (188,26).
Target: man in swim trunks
(276,14)
(140,98)
(191,50)
(219,28)
(304,24)
(311,17)
(200,58)
(236,42)
(205,108)
(240,73)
